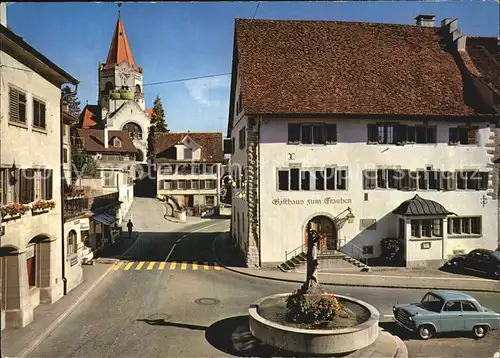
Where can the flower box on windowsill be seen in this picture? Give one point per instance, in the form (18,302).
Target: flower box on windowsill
(13,211)
(42,206)
(39,211)
(74,197)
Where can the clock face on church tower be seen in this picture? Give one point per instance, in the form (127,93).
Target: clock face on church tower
(124,73)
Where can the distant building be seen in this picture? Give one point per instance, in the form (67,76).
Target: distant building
(188,166)
(32,267)
(121,103)
(390,133)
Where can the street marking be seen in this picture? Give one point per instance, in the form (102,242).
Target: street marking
(138,267)
(195,266)
(117,266)
(172,265)
(128,266)
(206,266)
(217,267)
(151,265)
(161,266)
(184,265)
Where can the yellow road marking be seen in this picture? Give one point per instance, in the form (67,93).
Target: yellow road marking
(172,265)
(217,267)
(206,266)
(161,266)
(195,266)
(138,267)
(184,265)
(117,266)
(151,265)
(128,266)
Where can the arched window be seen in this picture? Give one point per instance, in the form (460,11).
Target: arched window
(133,129)
(72,243)
(108,87)
(137,88)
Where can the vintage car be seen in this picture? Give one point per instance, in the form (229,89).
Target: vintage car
(446,311)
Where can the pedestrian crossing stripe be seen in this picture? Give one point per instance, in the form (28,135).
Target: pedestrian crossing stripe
(126,266)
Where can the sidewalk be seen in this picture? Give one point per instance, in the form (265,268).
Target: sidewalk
(22,341)
(229,258)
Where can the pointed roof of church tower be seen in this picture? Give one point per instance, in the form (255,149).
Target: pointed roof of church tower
(119,50)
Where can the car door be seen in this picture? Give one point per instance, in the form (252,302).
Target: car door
(452,318)
(473,260)
(470,314)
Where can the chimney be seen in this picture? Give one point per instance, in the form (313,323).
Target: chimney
(106,137)
(425,20)
(452,31)
(3,14)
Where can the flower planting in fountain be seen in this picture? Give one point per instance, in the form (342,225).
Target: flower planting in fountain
(14,209)
(43,205)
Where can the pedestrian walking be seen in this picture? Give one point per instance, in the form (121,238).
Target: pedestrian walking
(130,226)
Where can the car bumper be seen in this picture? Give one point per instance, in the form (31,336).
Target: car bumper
(400,324)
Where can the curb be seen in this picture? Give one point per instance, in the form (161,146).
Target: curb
(409,287)
(37,341)
(402,351)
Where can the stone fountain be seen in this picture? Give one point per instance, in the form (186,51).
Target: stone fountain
(311,320)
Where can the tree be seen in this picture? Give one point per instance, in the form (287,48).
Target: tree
(71,99)
(158,124)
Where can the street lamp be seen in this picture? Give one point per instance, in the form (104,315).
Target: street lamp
(350,216)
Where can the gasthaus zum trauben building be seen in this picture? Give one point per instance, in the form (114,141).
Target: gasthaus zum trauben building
(391,133)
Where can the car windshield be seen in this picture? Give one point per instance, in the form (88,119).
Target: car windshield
(432,302)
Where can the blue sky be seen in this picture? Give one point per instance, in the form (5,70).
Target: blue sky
(184,40)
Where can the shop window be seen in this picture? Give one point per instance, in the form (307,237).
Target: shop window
(209,200)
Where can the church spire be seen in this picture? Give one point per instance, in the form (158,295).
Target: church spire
(119,50)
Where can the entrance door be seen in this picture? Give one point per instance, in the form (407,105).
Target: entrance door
(327,230)
(189,201)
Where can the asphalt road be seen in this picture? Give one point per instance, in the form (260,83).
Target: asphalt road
(157,309)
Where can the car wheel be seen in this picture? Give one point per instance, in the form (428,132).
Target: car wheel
(480,331)
(425,332)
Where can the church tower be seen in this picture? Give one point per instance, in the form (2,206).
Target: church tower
(120,79)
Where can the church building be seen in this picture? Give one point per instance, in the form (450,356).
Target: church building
(121,103)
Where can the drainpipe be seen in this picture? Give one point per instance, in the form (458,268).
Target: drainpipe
(61,167)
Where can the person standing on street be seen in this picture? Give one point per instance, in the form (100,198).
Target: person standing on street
(130,226)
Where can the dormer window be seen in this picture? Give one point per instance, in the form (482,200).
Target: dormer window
(117,142)
(188,153)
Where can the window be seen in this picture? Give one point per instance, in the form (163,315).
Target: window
(38,114)
(395,133)
(283,178)
(312,179)
(312,133)
(367,250)
(242,138)
(3,186)
(181,184)
(453,306)
(109,178)
(17,105)
(472,180)
(47,184)
(195,184)
(426,228)
(167,184)
(369,179)
(468,306)
(188,153)
(72,243)
(448,181)
(382,178)
(209,200)
(465,226)
(27,186)
(65,155)
(167,169)
(31,265)
(210,184)
(117,142)
(434,178)
(239,104)
(463,135)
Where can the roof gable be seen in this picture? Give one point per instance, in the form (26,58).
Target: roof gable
(93,141)
(328,67)
(209,142)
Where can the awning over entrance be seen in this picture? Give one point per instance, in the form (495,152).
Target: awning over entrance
(418,206)
(105,219)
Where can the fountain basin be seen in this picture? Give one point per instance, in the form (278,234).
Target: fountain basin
(314,341)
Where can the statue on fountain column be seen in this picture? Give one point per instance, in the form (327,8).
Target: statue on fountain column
(312,281)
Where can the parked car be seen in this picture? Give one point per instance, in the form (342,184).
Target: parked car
(479,260)
(446,311)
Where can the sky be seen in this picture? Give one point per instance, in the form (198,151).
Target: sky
(175,41)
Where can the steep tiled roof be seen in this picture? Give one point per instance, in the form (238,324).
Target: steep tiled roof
(90,117)
(93,141)
(327,67)
(149,112)
(485,54)
(119,50)
(418,206)
(210,142)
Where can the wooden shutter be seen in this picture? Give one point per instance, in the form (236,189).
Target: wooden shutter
(48,184)
(483,183)
(411,134)
(331,133)
(188,184)
(401,131)
(42,115)
(36,113)
(412,181)
(13,105)
(372,133)
(472,135)
(293,133)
